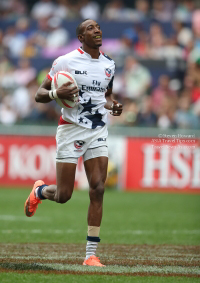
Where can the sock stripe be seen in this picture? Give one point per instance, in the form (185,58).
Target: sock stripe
(93,239)
(91,248)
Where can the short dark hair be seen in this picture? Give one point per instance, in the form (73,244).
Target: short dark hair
(78,29)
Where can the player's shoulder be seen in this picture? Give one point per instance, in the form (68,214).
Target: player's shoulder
(107,60)
(106,57)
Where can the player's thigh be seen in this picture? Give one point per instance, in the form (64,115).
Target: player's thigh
(96,171)
(65,173)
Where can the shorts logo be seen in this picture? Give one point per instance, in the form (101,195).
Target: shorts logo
(102,139)
(79,144)
(108,72)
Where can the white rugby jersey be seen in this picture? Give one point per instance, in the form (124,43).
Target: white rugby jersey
(94,77)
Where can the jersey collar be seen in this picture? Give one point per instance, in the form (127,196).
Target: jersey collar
(80,49)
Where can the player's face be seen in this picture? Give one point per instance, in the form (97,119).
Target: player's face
(91,34)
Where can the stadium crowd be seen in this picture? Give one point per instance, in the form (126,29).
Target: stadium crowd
(167,101)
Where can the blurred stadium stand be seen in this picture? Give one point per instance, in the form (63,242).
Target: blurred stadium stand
(155,44)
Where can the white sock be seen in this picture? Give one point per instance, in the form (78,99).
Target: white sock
(91,248)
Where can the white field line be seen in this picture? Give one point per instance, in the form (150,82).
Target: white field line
(23,218)
(124,232)
(146,232)
(39,231)
(125,269)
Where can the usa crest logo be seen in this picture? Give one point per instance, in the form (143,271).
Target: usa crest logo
(79,144)
(108,72)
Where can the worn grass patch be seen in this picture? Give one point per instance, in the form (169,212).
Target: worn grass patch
(127,260)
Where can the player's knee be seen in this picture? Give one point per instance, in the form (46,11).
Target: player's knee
(63,197)
(97,191)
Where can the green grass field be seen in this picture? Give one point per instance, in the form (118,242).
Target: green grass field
(136,224)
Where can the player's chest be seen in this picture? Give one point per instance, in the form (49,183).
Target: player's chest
(91,74)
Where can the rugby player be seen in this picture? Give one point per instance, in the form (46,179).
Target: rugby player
(82,130)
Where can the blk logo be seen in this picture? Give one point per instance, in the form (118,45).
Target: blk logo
(79,144)
(80,72)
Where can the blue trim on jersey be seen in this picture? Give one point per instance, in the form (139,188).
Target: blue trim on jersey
(107,57)
(110,85)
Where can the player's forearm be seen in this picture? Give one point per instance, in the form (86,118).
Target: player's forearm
(42,96)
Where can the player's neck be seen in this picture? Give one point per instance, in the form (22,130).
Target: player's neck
(94,53)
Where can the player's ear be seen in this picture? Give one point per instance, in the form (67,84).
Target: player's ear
(80,38)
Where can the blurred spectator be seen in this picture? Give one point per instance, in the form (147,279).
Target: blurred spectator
(184,34)
(25,73)
(142,9)
(57,36)
(90,10)
(7,113)
(23,27)
(130,36)
(184,10)
(21,101)
(14,41)
(171,51)
(137,79)
(39,38)
(160,92)
(159,13)
(166,113)
(141,48)
(116,10)
(146,116)
(43,9)
(195,92)
(184,116)
(7,80)
(62,9)
(156,41)
(12,9)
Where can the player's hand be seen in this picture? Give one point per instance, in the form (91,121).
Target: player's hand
(116,108)
(66,91)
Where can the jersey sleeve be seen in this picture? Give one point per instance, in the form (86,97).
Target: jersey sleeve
(110,85)
(56,67)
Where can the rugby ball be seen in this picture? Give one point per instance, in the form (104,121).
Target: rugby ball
(60,78)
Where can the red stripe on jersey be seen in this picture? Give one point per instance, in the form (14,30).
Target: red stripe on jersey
(49,77)
(102,52)
(62,121)
(81,51)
